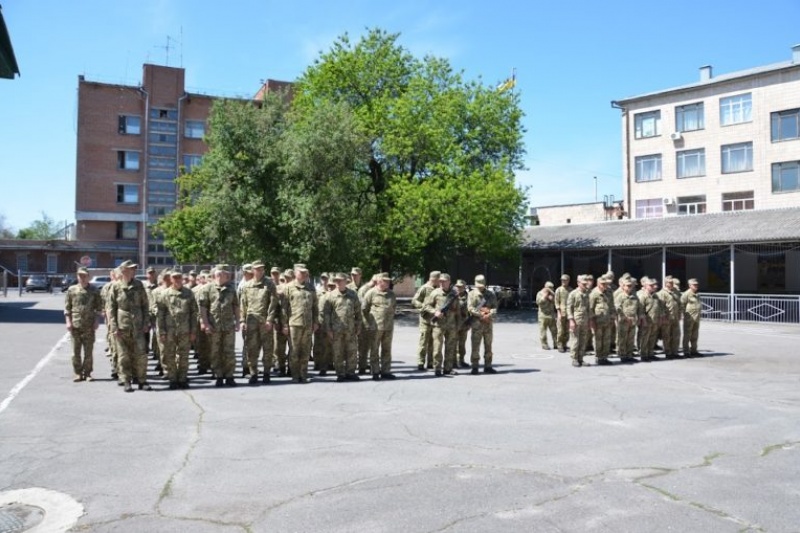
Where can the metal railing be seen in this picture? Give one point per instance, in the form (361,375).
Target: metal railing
(768,308)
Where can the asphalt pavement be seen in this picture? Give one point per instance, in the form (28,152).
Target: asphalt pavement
(705,444)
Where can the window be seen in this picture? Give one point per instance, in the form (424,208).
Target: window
(735,109)
(127,230)
(689,117)
(168,114)
(648,168)
(737,201)
(127,194)
(195,129)
(691,163)
(691,205)
(647,124)
(129,125)
(127,160)
(785,125)
(168,138)
(786,176)
(737,157)
(652,208)
(22,262)
(190,161)
(52,263)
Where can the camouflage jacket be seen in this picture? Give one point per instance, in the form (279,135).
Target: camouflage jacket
(260,298)
(435,301)
(578,306)
(83,306)
(341,311)
(176,312)
(220,305)
(378,308)
(301,304)
(691,304)
(128,307)
(547,307)
(600,309)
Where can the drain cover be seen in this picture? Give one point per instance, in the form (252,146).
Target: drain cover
(16,517)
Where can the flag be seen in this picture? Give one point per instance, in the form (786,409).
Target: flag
(510,83)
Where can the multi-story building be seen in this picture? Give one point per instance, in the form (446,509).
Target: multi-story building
(133,141)
(725,143)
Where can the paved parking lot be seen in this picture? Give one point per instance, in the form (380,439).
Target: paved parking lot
(708,444)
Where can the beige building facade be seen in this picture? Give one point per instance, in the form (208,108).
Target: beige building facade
(725,143)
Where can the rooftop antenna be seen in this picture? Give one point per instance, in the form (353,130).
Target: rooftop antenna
(167,48)
(181,43)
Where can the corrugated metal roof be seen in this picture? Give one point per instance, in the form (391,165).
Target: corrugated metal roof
(734,227)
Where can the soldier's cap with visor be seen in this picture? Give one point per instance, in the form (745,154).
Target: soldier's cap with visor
(176,274)
(693,281)
(549,285)
(435,274)
(603,279)
(610,275)
(652,281)
(257,264)
(222,267)
(192,272)
(588,277)
(384,276)
(300,267)
(444,277)
(461,283)
(247,267)
(275,269)
(480,280)
(163,274)
(355,270)
(581,278)
(204,272)
(83,272)
(324,275)
(676,282)
(339,276)
(565,277)
(127,264)
(151,270)
(289,273)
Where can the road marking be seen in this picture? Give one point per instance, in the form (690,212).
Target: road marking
(27,379)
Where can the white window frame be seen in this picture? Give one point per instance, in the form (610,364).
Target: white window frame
(736,109)
(656,210)
(641,163)
(730,151)
(680,116)
(125,187)
(125,128)
(127,161)
(642,129)
(776,122)
(681,163)
(779,167)
(695,207)
(737,201)
(194,129)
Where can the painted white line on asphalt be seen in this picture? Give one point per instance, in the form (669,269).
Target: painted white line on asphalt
(27,379)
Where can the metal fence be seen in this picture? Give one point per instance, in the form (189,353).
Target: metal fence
(769,308)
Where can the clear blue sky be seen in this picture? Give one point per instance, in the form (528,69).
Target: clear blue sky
(572,59)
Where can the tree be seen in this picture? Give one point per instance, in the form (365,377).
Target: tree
(6,231)
(44,229)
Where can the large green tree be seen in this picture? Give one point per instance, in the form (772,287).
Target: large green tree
(43,229)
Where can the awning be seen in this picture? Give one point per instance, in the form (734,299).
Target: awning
(8,63)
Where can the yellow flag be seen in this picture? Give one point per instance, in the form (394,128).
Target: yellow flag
(510,83)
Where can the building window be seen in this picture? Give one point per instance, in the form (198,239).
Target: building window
(167,114)
(648,168)
(127,230)
(127,160)
(129,125)
(786,176)
(691,205)
(190,161)
(735,109)
(195,129)
(689,117)
(647,124)
(785,125)
(22,262)
(652,208)
(691,163)
(737,157)
(52,263)
(737,201)
(127,194)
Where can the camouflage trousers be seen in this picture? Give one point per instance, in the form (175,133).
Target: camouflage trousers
(578,340)
(602,340)
(425,344)
(113,351)
(381,352)
(547,323)
(482,333)
(648,334)
(626,335)
(132,353)
(82,341)
(301,351)
(175,348)
(671,335)
(259,343)
(344,346)
(222,352)
(463,333)
(365,341)
(691,332)
(444,348)
(563,332)
(281,343)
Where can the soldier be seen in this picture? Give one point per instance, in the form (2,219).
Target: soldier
(219,313)
(83,308)
(561,295)
(482,304)
(320,341)
(302,314)
(150,285)
(202,344)
(355,276)
(378,307)
(282,340)
(692,309)
(110,341)
(601,315)
(652,320)
(247,275)
(610,290)
(176,318)
(165,282)
(545,300)
(341,315)
(365,340)
(129,319)
(275,274)
(630,314)
(259,305)
(192,283)
(670,326)
(442,306)
(578,315)
(464,321)
(425,345)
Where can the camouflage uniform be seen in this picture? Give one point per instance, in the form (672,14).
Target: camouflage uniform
(444,329)
(259,305)
(464,322)
(378,308)
(562,321)
(282,342)
(365,336)
(176,319)
(670,327)
(546,316)
(482,300)
(341,314)
(323,345)
(219,305)
(151,341)
(82,308)
(302,313)
(652,321)
(630,313)
(129,315)
(202,344)
(425,344)
(111,341)
(692,309)
(601,313)
(578,311)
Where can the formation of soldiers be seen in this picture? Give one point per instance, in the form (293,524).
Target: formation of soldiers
(619,317)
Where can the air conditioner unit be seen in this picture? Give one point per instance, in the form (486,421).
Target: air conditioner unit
(668,201)
(676,136)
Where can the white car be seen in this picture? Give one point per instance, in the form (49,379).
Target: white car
(98,282)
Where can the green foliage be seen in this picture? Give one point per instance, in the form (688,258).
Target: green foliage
(43,229)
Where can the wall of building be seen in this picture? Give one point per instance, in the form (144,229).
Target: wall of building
(571,214)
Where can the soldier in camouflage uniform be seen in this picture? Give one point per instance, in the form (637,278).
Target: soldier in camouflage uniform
(282,340)
(464,321)
(442,306)
(630,314)
(610,290)
(151,341)
(259,305)
(365,340)
(247,275)
(202,345)
(578,316)
(601,315)
(482,305)
(129,318)
(425,344)
(219,312)
(165,282)
(302,312)
(561,295)
(176,319)
(545,301)
(83,308)
(378,307)
(670,326)
(111,341)
(321,347)
(653,316)
(341,314)
(692,309)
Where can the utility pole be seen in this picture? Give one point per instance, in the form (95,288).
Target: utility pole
(595,188)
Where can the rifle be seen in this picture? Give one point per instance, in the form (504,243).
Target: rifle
(448,302)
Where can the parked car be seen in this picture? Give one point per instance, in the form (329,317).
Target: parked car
(98,282)
(68,281)
(37,282)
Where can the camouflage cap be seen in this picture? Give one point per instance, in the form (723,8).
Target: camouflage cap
(588,277)
(223,267)
(480,280)
(257,264)
(676,281)
(275,269)
(693,281)
(603,279)
(325,275)
(384,276)
(549,285)
(610,275)
(565,277)
(247,267)
(151,270)
(300,267)
(444,277)
(581,278)
(83,272)
(289,273)
(164,273)
(435,274)
(355,270)
(192,272)
(461,283)
(204,272)
(338,276)
(127,264)
(176,274)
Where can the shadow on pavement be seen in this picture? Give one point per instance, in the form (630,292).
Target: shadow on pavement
(26,313)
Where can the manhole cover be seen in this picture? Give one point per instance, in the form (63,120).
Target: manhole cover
(17,517)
